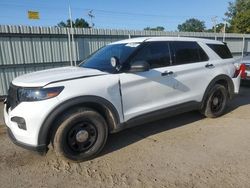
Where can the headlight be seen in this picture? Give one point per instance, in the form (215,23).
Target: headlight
(37,94)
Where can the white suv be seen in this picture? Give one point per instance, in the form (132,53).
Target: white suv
(123,84)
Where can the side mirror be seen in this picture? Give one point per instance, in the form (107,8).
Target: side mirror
(139,66)
(114,61)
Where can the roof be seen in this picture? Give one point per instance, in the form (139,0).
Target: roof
(150,39)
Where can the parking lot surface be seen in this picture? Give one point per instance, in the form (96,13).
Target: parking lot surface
(187,150)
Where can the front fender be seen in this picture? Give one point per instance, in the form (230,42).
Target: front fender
(44,133)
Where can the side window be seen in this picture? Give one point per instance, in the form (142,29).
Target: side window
(221,50)
(187,52)
(157,54)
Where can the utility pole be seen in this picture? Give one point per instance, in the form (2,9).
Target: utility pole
(91,15)
(214,21)
(72,35)
(224,31)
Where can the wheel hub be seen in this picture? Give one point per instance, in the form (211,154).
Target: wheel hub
(82,136)
(215,101)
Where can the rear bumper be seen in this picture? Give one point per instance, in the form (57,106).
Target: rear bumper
(236,82)
(40,149)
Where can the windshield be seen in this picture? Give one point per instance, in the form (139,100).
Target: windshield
(101,59)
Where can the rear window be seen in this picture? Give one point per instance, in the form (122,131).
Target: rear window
(188,52)
(222,50)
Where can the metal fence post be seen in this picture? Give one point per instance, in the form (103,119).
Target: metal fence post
(243,46)
(70,54)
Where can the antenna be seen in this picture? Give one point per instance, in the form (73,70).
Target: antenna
(91,15)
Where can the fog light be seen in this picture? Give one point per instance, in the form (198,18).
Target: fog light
(20,122)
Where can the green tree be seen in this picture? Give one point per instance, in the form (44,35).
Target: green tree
(78,23)
(241,23)
(192,25)
(238,16)
(158,28)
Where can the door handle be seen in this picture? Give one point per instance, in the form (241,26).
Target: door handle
(209,65)
(167,73)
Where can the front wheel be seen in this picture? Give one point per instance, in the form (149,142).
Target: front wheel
(216,102)
(81,136)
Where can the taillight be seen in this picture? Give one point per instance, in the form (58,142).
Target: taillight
(241,70)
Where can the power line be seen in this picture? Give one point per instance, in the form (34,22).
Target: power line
(104,11)
(143,14)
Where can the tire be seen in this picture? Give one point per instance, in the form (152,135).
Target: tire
(81,135)
(216,102)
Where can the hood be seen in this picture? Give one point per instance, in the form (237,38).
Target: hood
(42,78)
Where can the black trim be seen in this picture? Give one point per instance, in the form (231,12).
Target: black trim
(160,114)
(20,122)
(12,99)
(44,131)
(73,79)
(120,91)
(40,148)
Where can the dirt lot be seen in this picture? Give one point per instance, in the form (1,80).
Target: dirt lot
(183,151)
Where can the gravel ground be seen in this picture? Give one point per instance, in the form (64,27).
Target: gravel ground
(183,151)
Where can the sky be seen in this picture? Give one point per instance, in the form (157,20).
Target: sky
(114,14)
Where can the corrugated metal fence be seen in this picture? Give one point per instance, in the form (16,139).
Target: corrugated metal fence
(25,49)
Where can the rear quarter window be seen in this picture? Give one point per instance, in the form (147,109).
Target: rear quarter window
(221,50)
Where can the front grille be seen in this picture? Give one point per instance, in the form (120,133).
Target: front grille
(12,98)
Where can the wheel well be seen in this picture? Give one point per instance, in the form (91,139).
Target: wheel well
(223,80)
(227,85)
(101,109)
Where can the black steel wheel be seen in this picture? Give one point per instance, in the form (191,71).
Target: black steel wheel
(216,102)
(81,135)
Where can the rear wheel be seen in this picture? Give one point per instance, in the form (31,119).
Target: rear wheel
(81,136)
(216,102)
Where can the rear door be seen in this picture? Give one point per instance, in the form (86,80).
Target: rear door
(192,70)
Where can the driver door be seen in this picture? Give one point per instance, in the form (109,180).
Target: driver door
(144,92)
